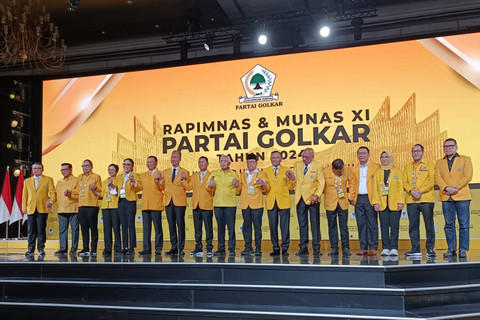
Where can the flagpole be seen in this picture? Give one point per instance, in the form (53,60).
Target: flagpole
(7,222)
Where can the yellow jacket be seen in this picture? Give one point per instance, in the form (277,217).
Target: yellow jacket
(333,184)
(176,190)
(424,173)
(35,199)
(279,189)
(64,203)
(225,193)
(395,189)
(460,176)
(152,195)
(372,167)
(254,200)
(130,191)
(312,183)
(88,198)
(202,197)
(113,203)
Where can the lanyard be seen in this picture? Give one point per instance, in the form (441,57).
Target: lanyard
(338,181)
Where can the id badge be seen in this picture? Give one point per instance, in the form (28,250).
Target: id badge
(109,198)
(82,192)
(251,189)
(384,191)
(414,183)
(341,194)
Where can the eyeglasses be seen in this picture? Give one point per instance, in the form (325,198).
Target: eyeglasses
(127,164)
(449,146)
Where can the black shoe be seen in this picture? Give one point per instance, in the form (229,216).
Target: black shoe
(209,253)
(317,253)
(83,253)
(333,252)
(219,253)
(145,252)
(284,252)
(181,253)
(130,252)
(158,252)
(462,254)
(450,254)
(412,253)
(172,251)
(29,253)
(41,253)
(258,253)
(73,251)
(275,253)
(346,252)
(60,252)
(93,253)
(196,251)
(107,252)
(431,253)
(231,253)
(124,251)
(247,252)
(302,253)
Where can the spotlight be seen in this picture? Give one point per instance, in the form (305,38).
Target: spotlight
(14,123)
(12,95)
(73,4)
(16,172)
(9,145)
(262,39)
(325,31)
(208,45)
(17,120)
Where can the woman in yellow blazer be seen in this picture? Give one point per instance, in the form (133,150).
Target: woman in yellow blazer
(388,199)
(252,185)
(126,187)
(111,219)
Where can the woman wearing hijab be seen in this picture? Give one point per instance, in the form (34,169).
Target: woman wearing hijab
(388,199)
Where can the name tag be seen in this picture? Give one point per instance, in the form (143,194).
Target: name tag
(340,193)
(251,189)
(108,198)
(384,191)
(414,183)
(82,192)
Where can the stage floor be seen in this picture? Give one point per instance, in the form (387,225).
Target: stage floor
(18,255)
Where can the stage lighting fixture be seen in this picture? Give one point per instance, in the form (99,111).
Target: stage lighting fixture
(14,123)
(325,31)
(73,4)
(16,172)
(208,45)
(12,95)
(262,39)
(9,145)
(357,28)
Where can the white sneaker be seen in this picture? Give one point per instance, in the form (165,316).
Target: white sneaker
(394,252)
(385,252)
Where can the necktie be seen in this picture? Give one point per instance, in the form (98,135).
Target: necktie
(173,173)
(305,170)
(202,175)
(36,180)
(275,172)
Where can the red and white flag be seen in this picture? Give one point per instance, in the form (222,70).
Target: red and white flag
(17,202)
(6,199)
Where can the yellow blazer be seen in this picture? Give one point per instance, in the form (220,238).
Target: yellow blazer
(460,176)
(152,194)
(255,200)
(395,189)
(90,198)
(130,191)
(424,173)
(113,203)
(312,183)
(64,203)
(344,182)
(176,190)
(202,197)
(279,189)
(372,167)
(35,199)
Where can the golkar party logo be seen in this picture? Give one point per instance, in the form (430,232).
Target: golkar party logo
(258,84)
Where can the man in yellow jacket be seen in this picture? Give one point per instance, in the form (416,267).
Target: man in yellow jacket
(37,200)
(278,202)
(152,207)
(452,175)
(309,184)
(367,220)
(418,182)
(202,204)
(175,183)
(252,185)
(337,193)
(67,210)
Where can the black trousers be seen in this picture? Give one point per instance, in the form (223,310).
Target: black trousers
(252,216)
(303,212)
(342,224)
(64,219)
(176,225)
(226,217)
(111,221)
(204,217)
(389,226)
(154,216)
(367,223)
(126,211)
(414,210)
(37,223)
(273,217)
(88,217)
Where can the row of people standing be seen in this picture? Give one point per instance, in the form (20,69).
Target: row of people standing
(217,192)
